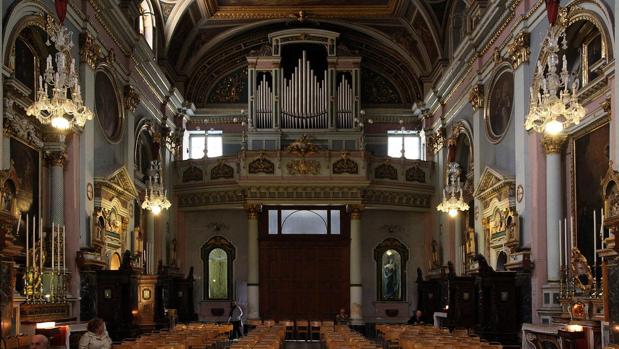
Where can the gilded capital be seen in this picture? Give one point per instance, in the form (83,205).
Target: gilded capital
(355,211)
(89,50)
(132,98)
(519,49)
(436,140)
(476,97)
(252,210)
(56,158)
(554,144)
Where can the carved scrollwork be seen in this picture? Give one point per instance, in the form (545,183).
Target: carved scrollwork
(132,98)
(386,171)
(519,49)
(19,126)
(415,174)
(90,51)
(222,170)
(436,140)
(303,167)
(261,165)
(345,165)
(476,97)
(193,174)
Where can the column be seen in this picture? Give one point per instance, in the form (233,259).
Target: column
(458,222)
(478,166)
(150,242)
(356,286)
(554,199)
(55,155)
(89,51)
(253,276)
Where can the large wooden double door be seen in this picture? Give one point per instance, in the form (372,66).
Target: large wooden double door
(304,276)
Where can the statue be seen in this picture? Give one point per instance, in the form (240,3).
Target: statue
(435,261)
(419,275)
(190,274)
(390,279)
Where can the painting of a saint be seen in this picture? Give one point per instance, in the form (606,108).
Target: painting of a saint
(26,162)
(391,265)
(218,274)
(107,106)
(500,106)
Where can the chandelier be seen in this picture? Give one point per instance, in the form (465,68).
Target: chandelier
(554,104)
(58,100)
(155,198)
(452,194)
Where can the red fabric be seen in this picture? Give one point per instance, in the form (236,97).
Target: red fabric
(552,10)
(61,9)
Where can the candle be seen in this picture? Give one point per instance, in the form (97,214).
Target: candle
(18,225)
(595,240)
(52,246)
(41,245)
(34,231)
(64,249)
(567,252)
(560,245)
(59,243)
(27,241)
(572,236)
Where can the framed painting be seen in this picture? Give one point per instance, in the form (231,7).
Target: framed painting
(26,161)
(108,106)
(500,105)
(591,155)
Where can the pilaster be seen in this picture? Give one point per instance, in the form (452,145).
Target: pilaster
(356,286)
(253,276)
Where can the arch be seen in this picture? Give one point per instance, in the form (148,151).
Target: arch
(598,13)
(143,129)
(147,23)
(23,15)
(218,256)
(114,263)
(391,257)
(454,27)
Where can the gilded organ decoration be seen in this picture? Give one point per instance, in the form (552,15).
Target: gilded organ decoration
(303,167)
(415,174)
(193,174)
(386,171)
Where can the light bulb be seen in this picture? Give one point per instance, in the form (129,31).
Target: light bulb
(553,128)
(60,123)
(453,212)
(156,209)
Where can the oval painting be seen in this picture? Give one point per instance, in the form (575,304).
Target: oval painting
(500,105)
(107,107)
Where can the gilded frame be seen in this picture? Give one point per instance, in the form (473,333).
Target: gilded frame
(500,71)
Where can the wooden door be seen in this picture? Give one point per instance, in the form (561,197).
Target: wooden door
(304,276)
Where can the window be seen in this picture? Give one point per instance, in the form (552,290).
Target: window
(217,256)
(214,144)
(408,144)
(308,222)
(391,257)
(146,22)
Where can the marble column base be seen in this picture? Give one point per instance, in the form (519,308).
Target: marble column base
(356,302)
(551,302)
(253,302)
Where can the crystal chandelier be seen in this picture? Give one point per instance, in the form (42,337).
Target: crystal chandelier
(554,104)
(452,194)
(58,100)
(155,198)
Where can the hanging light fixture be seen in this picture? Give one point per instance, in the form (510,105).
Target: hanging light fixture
(155,198)
(452,194)
(554,103)
(58,100)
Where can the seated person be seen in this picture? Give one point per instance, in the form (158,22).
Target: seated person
(96,337)
(416,319)
(342,318)
(39,341)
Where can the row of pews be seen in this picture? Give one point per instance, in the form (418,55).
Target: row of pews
(428,337)
(193,335)
(342,337)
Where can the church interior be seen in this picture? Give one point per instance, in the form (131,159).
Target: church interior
(309,174)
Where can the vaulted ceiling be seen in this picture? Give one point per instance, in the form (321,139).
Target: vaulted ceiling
(205,40)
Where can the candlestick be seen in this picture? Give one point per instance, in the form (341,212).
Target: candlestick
(18,225)
(595,240)
(602,226)
(41,247)
(59,251)
(34,230)
(567,252)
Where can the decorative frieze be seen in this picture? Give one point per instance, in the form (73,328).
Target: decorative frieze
(476,97)
(519,49)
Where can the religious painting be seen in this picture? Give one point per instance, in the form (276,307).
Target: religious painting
(26,161)
(108,107)
(591,164)
(26,65)
(500,106)
(217,256)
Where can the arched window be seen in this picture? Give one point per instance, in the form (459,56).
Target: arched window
(217,257)
(458,25)
(391,257)
(146,23)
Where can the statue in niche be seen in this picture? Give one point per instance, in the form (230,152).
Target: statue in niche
(391,275)
(435,261)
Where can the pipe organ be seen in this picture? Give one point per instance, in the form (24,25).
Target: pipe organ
(303,96)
